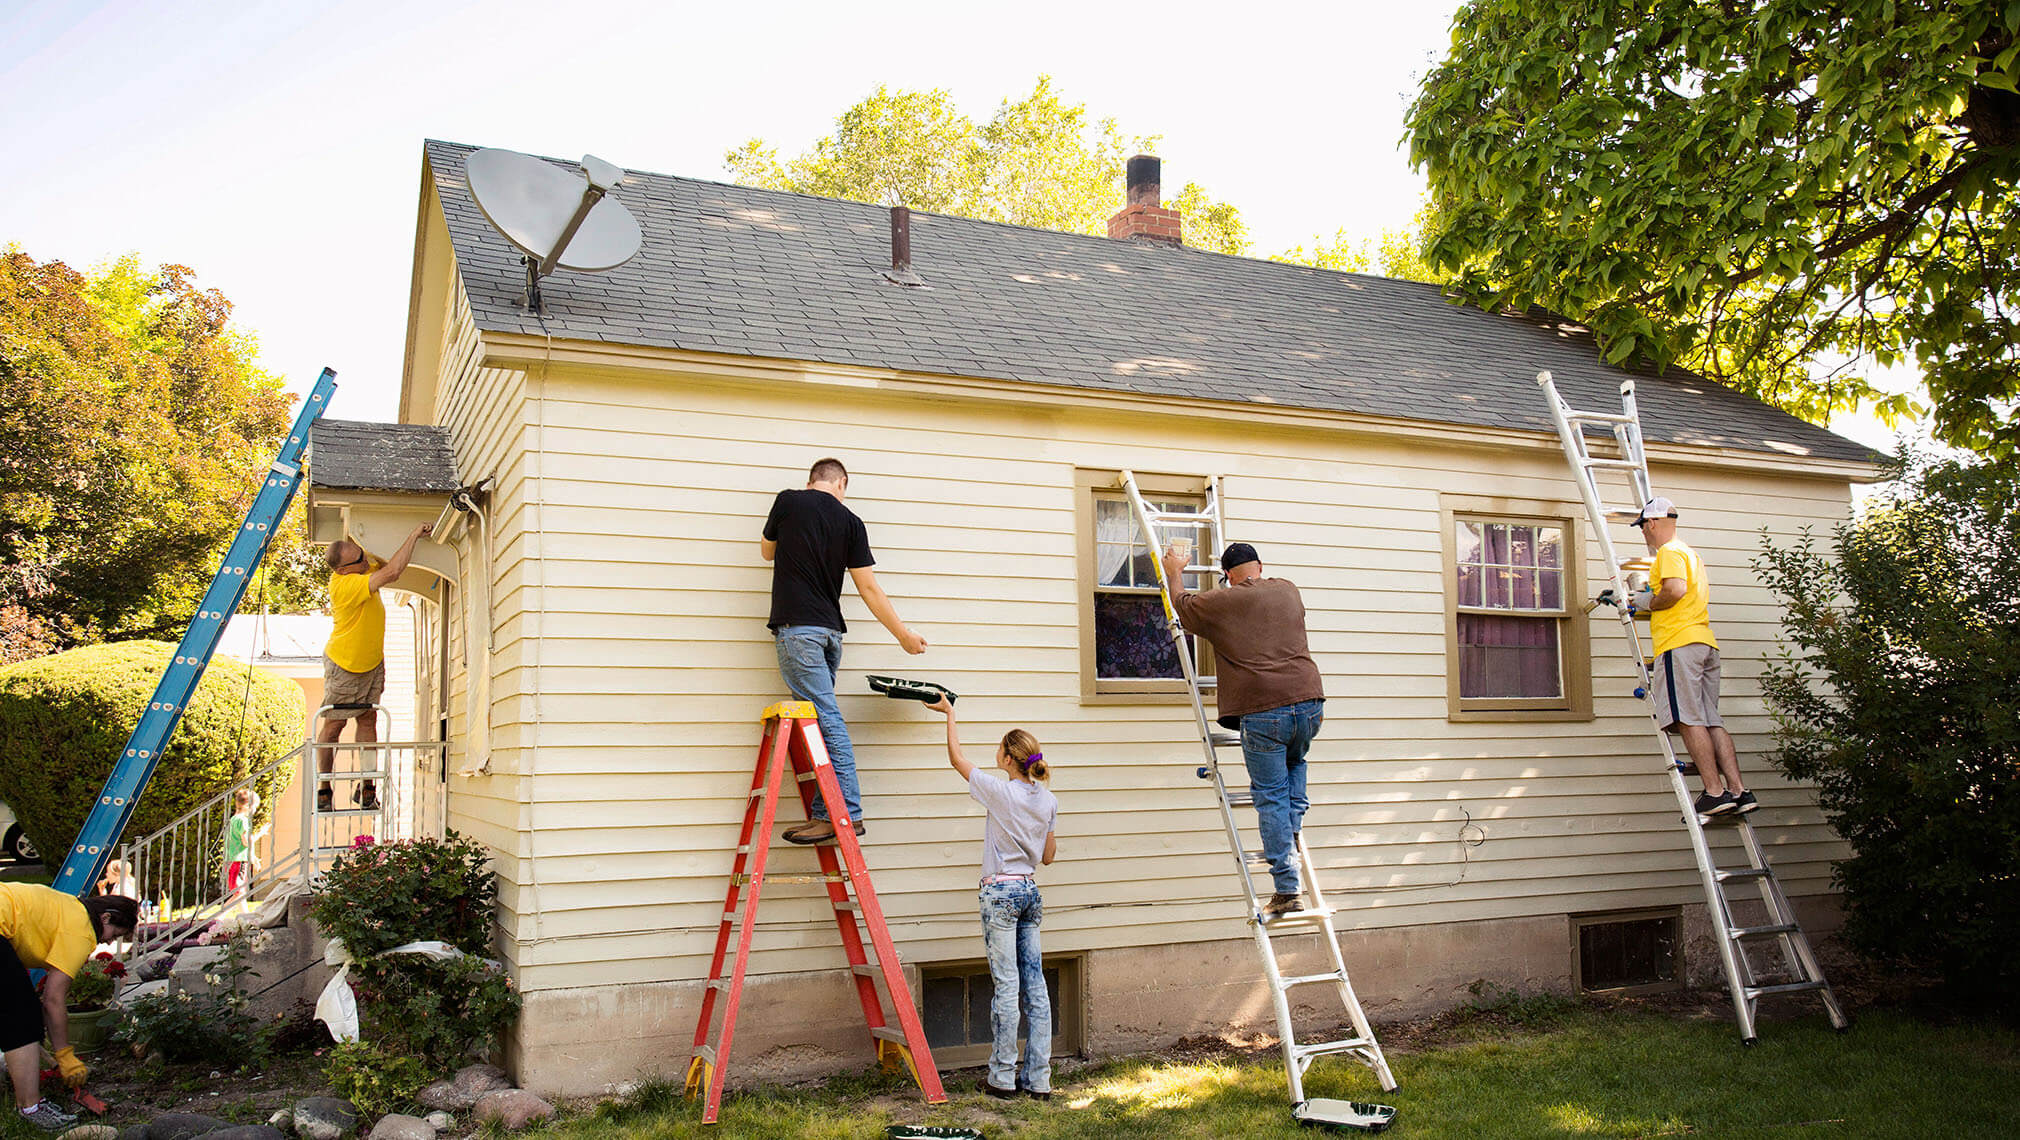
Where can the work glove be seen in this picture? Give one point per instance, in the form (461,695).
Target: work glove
(1642,601)
(74,1071)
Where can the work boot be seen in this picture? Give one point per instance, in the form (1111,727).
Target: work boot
(816,831)
(1283,903)
(1000,1094)
(368,796)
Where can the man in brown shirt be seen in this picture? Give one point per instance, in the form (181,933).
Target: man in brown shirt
(1268,687)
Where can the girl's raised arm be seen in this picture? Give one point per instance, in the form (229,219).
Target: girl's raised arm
(954,756)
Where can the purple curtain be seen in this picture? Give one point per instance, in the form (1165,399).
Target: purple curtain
(1508,656)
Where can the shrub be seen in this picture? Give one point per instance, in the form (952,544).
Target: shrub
(375,1079)
(96,982)
(217,1025)
(438,1011)
(381,895)
(1899,697)
(65,717)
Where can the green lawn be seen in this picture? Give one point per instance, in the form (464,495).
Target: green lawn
(1580,1072)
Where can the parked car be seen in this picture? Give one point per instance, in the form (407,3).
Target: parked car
(14,841)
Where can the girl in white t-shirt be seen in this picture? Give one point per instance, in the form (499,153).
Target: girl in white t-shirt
(1017,839)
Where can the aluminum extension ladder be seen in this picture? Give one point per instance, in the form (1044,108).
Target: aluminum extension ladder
(1742,977)
(1204,529)
(791,730)
(98,839)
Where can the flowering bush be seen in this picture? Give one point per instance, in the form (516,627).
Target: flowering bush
(376,1080)
(215,1026)
(378,897)
(439,1011)
(96,981)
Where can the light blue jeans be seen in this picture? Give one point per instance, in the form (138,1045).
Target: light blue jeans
(1011,912)
(1273,745)
(809,655)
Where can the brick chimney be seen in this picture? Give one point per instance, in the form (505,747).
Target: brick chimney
(1143,219)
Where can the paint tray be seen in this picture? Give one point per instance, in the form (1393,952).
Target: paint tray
(1344,1114)
(901,689)
(929,1132)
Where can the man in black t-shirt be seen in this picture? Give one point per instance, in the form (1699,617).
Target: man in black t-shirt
(809,539)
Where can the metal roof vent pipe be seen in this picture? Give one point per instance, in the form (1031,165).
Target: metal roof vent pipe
(900,272)
(1144,218)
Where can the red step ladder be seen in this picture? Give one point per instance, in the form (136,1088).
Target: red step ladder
(792,730)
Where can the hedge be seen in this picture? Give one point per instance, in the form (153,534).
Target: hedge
(64,719)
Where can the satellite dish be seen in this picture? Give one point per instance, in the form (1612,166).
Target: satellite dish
(560,219)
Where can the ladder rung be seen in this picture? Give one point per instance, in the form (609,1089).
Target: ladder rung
(1256,858)
(729,917)
(868,970)
(886,1033)
(1597,417)
(719,984)
(1610,464)
(1241,799)
(1300,918)
(1224,739)
(346,813)
(1725,876)
(1207,684)
(1313,979)
(1738,932)
(1785,988)
(706,1053)
(321,776)
(850,905)
(1327,1048)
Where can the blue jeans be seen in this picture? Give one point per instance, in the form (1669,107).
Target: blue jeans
(1011,912)
(1273,745)
(808,658)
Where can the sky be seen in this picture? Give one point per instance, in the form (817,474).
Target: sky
(275,148)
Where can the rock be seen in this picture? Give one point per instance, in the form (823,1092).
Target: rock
(322,1118)
(246,1132)
(444,1096)
(133,1132)
(474,1081)
(182,1126)
(513,1108)
(394,1126)
(440,1121)
(282,1121)
(91,1132)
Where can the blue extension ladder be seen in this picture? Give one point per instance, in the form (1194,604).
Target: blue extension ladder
(86,859)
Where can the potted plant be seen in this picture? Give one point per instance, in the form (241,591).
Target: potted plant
(90,994)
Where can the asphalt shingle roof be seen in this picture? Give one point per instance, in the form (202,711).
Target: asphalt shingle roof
(352,455)
(732,269)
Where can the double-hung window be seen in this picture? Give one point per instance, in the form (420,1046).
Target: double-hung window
(1516,637)
(1126,651)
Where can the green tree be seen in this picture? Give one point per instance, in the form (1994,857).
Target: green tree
(1398,252)
(1896,698)
(1039,162)
(1773,192)
(134,426)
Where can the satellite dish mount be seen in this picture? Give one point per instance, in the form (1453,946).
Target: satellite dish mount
(557,218)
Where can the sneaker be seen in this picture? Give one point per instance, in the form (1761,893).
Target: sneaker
(324,802)
(1000,1094)
(1746,803)
(368,796)
(48,1117)
(1283,903)
(1708,805)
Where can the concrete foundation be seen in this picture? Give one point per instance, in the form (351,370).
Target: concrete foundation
(583,1042)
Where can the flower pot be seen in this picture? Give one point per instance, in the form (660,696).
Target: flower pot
(87,1028)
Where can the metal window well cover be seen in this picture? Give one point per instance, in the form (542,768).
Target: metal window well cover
(901,689)
(1344,1114)
(929,1132)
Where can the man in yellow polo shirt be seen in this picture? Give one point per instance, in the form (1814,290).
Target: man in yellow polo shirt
(1686,662)
(48,930)
(354,662)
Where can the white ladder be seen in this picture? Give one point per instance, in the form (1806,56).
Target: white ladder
(1203,529)
(1743,978)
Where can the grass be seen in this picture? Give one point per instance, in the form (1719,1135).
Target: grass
(1503,1070)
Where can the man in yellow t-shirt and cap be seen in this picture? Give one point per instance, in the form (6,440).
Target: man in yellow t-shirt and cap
(48,930)
(354,663)
(1686,661)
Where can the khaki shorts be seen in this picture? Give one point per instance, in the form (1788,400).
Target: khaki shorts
(343,687)
(1686,687)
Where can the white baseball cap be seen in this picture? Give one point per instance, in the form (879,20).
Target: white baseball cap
(1656,508)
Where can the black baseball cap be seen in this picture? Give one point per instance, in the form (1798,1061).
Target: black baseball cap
(1237,554)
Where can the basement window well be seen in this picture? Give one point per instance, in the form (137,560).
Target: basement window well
(956,996)
(1628,951)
